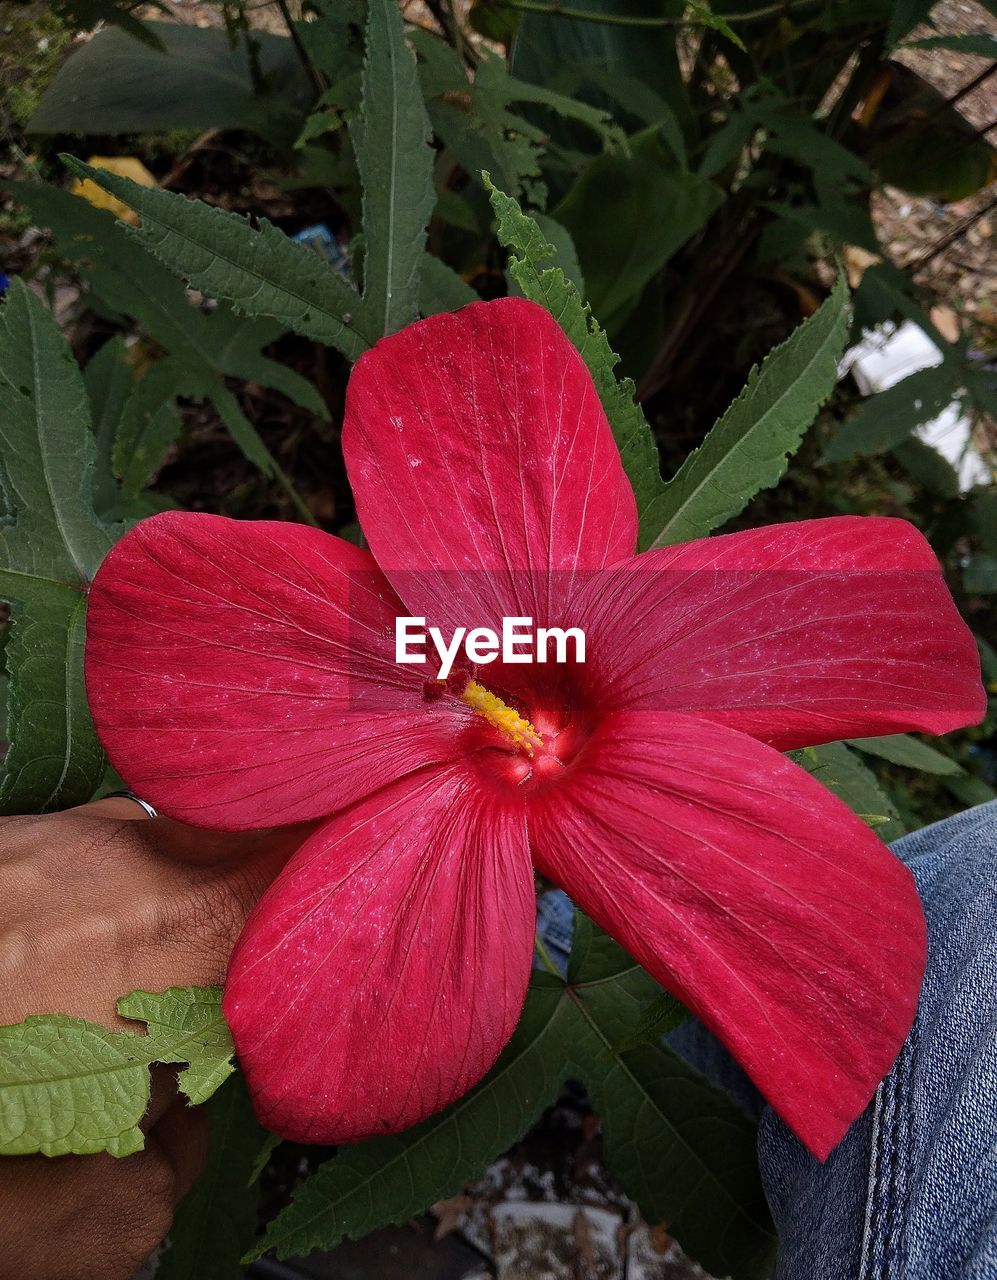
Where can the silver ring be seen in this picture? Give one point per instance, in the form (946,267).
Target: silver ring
(130,795)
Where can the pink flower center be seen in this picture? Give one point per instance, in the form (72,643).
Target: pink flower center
(524,751)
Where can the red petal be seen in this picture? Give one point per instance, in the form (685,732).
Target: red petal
(242,674)
(480,458)
(752,894)
(796,633)
(384,970)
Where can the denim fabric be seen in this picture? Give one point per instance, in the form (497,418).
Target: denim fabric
(911,1192)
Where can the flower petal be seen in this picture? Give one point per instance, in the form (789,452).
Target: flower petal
(481,460)
(242,674)
(754,895)
(384,970)
(796,633)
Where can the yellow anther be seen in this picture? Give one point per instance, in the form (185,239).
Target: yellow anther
(511,723)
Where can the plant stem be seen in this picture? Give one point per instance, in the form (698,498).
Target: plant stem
(631,20)
(545,957)
(292,30)
(285,482)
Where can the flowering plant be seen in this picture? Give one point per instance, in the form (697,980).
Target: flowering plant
(244,674)
(670,733)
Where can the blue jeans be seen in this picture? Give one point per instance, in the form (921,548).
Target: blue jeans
(911,1192)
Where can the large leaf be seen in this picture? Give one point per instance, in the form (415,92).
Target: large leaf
(888,418)
(548,286)
(70,1087)
(747,450)
(196,80)
(258,270)
(844,774)
(47,556)
(546,43)
(666,1129)
(202,349)
(627,215)
(901,748)
(391,141)
(216,1221)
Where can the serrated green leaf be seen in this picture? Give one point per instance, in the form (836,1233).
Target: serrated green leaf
(203,349)
(665,1127)
(215,1222)
(902,749)
(747,450)
(70,1087)
(47,557)
(529,250)
(391,141)
(258,270)
(838,768)
(889,418)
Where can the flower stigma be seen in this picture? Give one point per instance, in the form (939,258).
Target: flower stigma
(509,722)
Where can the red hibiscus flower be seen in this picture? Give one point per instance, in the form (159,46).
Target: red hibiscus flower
(244,675)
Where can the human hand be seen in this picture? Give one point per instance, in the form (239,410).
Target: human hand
(94,903)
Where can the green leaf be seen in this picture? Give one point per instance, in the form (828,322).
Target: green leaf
(927,466)
(259,271)
(661,1016)
(109,383)
(980,46)
(203,349)
(702,15)
(529,250)
(980,576)
(215,1222)
(844,774)
(902,749)
(888,418)
(47,557)
(628,215)
(747,450)
(85,15)
(70,1087)
(391,143)
(441,288)
(148,425)
(665,1127)
(385,1180)
(904,16)
(112,84)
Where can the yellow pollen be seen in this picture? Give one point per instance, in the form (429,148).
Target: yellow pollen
(507,721)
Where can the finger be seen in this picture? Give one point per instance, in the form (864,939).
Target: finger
(183,1136)
(162,1095)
